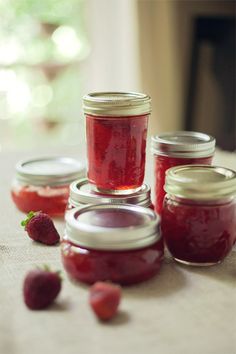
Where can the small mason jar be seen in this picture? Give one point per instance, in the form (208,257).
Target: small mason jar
(82,193)
(112,242)
(116,128)
(199,213)
(43,184)
(178,148)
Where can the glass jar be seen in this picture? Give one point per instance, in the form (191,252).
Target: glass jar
(82,193)
(175,149)
(116,128)
(43,184)
(199,213)
(112,242)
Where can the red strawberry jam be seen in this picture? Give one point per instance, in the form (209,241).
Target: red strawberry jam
(116,151)
(52,201)
(175,149)
(112,242)
(42,184)
(198,221)
(162,164)
(122,267)
(199,232)
(116,126)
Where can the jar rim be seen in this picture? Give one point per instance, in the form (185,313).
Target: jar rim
(200,182)
(83,192)
(183,144)
(116,104)
(49,170)
(112,238)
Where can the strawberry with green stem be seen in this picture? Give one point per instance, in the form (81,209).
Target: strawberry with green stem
(40,228)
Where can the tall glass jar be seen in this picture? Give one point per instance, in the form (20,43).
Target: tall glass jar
(178,148)
(199,213)
(116,127)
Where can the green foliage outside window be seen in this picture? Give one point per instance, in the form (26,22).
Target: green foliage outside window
(42,46)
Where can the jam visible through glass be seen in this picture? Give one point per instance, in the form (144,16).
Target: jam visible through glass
(163,163)
(50,200)
(199,232)
(116,151)
(122,267)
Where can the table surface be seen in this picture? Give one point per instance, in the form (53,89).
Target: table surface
(182,310)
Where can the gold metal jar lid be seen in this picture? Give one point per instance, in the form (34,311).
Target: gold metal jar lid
(49,171)
(116,104)
(82,192)
(185,144)
(200,182)
(93,226)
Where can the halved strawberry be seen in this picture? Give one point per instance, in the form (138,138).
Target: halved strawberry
(104,299)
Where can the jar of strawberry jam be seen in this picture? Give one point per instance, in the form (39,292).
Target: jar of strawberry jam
(178,148)
(112,242)
(43,184)
(199,213)
(116,127)
(82,193)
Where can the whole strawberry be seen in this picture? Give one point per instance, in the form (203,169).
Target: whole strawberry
(40,228)
(41,287)
(104,299)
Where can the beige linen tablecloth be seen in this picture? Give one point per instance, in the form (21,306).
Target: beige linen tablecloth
(183,310)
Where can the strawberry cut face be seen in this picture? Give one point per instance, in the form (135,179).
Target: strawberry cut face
(104,299)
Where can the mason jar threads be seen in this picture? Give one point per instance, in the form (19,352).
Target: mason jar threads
(178,148)
(116,128)
(199,213)
(82,193)
(112,242)
(43,183)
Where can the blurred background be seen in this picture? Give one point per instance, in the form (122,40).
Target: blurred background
(52,52)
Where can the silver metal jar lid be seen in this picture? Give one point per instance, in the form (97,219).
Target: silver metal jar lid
(200,182)
(49,171)
(116,104)
(82,192)
(183,144)
(90,227)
